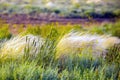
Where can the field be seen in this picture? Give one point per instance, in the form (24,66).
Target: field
(45,66)
(59,40)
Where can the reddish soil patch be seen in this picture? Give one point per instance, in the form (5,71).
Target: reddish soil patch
(26,19)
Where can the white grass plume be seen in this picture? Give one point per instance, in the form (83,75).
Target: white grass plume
(50,4)
(76,42)
(93,1)
(16,46)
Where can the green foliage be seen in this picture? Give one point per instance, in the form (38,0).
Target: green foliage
(116,57)
(50,74)
(116,29)
(73,67)
(4,32)
(33,30)
(107,28)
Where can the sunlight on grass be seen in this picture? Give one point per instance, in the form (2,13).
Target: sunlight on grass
(64,52)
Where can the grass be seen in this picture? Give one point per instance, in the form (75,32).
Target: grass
(5,33)
(46,67)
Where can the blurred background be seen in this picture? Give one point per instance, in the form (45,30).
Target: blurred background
(62,8)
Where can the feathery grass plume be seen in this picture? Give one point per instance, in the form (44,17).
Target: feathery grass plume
(85,43)
(93,1)
(16,46)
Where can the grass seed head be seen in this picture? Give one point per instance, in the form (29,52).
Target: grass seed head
(17,45)
(76,42)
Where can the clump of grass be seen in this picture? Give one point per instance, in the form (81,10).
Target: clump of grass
(107,28)
(15,46)
(113,55)
(5,33)
(75,42)
(33,30)
(116,29)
